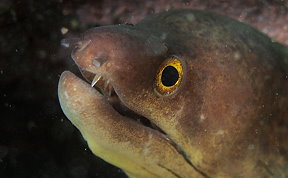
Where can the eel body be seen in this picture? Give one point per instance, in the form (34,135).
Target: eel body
(183,93)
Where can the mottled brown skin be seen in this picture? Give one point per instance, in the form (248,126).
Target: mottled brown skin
(229,118)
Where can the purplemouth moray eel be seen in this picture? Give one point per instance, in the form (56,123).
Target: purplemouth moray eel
(183,93)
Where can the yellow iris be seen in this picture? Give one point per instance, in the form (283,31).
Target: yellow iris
(169,76)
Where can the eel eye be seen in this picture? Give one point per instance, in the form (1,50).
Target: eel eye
(169,76)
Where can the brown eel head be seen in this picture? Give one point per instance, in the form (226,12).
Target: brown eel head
(181,94)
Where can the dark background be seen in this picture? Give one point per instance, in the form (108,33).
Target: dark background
(36,140)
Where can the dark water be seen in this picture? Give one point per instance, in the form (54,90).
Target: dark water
(36,139)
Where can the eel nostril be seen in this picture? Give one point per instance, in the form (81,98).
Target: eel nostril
(68,42)
(99,60)
(96,63)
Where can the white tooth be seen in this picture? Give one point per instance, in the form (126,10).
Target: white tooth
(110,90)
(106,84)
(95,80)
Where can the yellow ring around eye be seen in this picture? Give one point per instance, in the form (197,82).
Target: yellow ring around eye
(164,89)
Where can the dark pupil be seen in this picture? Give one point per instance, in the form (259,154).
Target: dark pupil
(169,76)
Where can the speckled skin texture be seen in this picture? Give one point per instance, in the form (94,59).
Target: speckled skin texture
(228,118)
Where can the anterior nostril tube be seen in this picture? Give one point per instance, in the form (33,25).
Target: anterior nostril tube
(65,43)
(68,42)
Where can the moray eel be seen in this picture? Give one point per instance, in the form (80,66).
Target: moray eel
(183,93)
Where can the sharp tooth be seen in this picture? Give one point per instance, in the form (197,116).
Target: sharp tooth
(106,84)
(95,80)
(110,89)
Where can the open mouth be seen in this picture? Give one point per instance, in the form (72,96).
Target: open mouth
(103,85)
